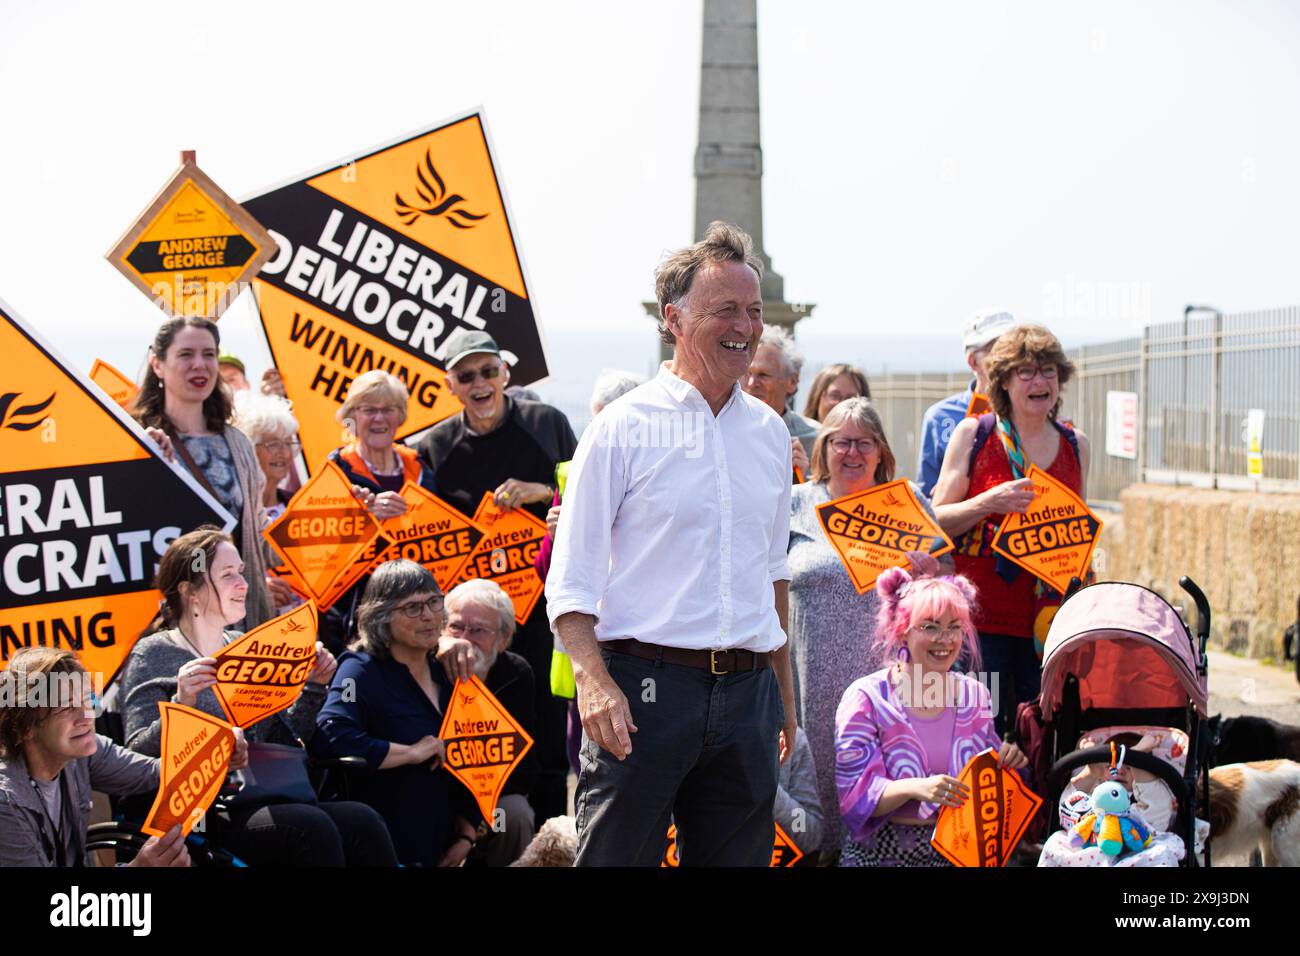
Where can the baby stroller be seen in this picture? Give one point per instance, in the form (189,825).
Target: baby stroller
(1120,666)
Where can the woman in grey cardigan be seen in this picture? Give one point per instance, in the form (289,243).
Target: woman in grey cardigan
(186,410)
(204,592)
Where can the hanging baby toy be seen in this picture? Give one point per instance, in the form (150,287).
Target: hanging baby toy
(1109,825)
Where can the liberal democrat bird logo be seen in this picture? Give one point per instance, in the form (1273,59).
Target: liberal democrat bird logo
(466,699)
(293,627)
(891,501)
(437,202)
(9,418)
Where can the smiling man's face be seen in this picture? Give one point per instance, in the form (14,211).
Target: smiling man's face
(769,380)
(718,330)
(483,398)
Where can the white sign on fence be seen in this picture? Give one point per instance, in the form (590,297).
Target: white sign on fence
(1122,424)
(1255,443)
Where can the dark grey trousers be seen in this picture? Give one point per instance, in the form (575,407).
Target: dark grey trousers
(705,755)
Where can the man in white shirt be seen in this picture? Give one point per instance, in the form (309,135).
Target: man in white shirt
(668,585)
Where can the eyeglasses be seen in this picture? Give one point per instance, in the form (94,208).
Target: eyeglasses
(935,631)
(415,608)
(374,411)
(842,446)
(276,445)
(1026,372)
(467,378)
(473,633)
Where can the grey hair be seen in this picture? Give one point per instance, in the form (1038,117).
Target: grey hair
(777,336)
(489,594)
(722,242)
(261,416)
(610,384)
(390,584)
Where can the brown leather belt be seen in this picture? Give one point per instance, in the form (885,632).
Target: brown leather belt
(717,663)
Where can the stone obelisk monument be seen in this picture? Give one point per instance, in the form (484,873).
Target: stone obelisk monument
(729,157)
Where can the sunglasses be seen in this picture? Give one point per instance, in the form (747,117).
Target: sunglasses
(488,373)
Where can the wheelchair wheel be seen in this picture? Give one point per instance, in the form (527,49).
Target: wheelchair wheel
(108,844)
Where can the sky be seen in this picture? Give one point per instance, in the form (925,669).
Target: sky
(1096,166)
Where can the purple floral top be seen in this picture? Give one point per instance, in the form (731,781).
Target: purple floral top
(875,744)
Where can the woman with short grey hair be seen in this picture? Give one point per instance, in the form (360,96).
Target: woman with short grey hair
(386,704)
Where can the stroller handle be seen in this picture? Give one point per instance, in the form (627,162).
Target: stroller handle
(1063,768)
(1202,609)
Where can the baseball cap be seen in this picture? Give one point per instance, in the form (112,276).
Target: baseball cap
(984,326)
(225,358)
(465,342)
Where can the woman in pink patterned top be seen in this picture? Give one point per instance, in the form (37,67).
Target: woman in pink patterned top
(904,733)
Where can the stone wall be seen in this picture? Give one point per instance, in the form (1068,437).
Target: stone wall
(1242,548)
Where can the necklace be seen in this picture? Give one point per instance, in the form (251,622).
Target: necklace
(192,645)
(375,469)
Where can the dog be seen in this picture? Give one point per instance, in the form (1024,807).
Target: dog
(1256,806)
(556,844)
(1243,739)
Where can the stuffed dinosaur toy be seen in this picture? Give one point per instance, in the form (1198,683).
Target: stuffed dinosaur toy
(1109,825)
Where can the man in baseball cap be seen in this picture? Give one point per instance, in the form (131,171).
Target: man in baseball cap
(510,448)
(980,330)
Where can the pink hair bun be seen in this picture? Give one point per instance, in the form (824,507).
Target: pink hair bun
(890,583)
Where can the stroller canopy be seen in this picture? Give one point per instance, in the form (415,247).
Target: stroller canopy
(1128,648)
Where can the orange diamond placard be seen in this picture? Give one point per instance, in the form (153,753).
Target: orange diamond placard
(484,743)
(195,756)
(264,671)
(120,388)
(322,533)
(506,554)
(369,558)
(193,248)
(431,533)
(873,530)
(1055,538)
(986,828)
(979,404)
(784,851)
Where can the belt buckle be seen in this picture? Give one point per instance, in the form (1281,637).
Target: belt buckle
(713,664)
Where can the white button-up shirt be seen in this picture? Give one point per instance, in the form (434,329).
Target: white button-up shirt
(675,522)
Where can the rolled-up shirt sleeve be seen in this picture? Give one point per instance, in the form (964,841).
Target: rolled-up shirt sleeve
(778,567)
(584,536)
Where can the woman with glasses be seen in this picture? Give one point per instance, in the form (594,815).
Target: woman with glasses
(830,624)
(378,467)
(834,384)
(374,461)
(386,704)
(983,480)
(904,733)
(268,422)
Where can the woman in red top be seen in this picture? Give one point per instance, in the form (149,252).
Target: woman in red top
(983,480)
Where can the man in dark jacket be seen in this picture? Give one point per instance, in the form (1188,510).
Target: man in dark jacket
(510,449)
(50,761)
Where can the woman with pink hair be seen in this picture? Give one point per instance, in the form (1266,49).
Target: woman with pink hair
(904,733)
